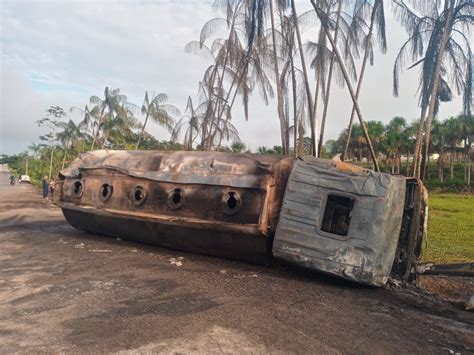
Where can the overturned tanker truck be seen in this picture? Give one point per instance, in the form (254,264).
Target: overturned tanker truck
(324,215)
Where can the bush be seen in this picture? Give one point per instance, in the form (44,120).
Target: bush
(447,185)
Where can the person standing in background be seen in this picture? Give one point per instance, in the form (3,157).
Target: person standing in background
(45,184)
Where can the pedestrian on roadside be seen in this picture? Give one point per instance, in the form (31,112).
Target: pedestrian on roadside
(45,184)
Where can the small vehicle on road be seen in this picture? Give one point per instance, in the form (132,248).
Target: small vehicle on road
(24,178)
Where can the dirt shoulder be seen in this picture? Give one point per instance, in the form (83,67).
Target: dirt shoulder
(62,290)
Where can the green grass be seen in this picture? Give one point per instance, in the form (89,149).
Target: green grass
(450,229)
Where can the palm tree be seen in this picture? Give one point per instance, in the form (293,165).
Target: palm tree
(88,119)
(35,149)
(467,132)
(409,142)
(453,132)
(310,110)
(191,123)
(394,136)
(328,85)
(293,77)
(280,99)
(377,21)
(54,113)
(109,107)
(70,132)
(117,128)
(446,57)
(438,137)
(160,112)
(325,25)
(356,142)
(214,96)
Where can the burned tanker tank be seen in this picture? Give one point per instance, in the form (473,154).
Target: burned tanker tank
(320,214)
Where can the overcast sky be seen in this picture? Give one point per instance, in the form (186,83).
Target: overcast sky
(62,52)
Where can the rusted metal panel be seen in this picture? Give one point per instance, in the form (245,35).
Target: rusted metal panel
(372,226)
(212,203)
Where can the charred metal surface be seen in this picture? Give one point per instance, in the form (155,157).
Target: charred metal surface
(333,217)
(212,203)
(413,228)
(369,206)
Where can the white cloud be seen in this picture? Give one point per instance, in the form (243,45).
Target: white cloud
(61,53)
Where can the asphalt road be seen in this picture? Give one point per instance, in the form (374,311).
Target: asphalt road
(62,290)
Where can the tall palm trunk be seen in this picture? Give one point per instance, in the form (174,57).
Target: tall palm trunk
(106,137)
(239,82)
(85,137)
(468,171)
(361,76)
(143,128)
(51,162)
(96,133)
(440,165)
(434,89)
(295,108)
(241,70)
(305,74)
(451,164)
(328,86)
(206,125)
(64,158)
(281,112)
(419,137)
(315,111)
(349,87)
(65,154)
(238,78)
(408,163)
(221,79)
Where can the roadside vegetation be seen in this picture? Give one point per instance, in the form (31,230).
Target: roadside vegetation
(450,229)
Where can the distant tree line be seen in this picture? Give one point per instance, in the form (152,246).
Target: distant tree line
(395,143)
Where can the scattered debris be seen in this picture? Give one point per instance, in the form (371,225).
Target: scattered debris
(134,250)
(118,239)
(60,241)
(422,268)
(459,269)
(470,304)
(393,282)
(176,261)
(242,276)
(100,250)
(223,271)
(105,285)
(79,246)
